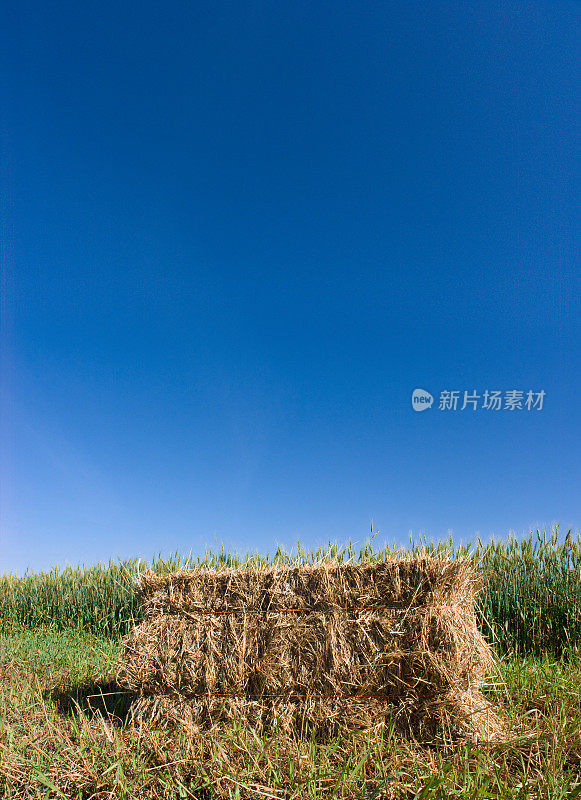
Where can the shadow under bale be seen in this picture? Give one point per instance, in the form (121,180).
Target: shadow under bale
(96,696)
(313,649)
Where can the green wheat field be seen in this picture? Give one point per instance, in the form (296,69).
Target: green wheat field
(64,732)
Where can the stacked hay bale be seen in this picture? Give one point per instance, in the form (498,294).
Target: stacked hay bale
(323,647)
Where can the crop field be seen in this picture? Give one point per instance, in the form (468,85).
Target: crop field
(64,730)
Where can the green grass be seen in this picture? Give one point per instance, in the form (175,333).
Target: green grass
(75,651)
(63,734)
(532,600)
(531,603)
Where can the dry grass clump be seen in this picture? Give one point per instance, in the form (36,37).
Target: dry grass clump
(314,648)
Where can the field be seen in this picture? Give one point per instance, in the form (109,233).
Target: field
(64,733)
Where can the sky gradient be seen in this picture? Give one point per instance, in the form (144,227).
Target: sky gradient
(237,236)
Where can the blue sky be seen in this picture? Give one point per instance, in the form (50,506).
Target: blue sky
(237,236)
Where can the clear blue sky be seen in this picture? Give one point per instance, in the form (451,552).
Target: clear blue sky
(237,236)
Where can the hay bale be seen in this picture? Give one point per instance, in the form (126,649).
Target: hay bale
(320,646)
